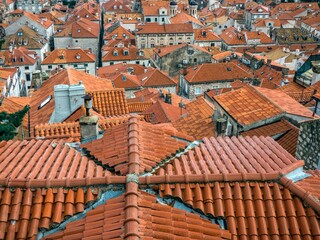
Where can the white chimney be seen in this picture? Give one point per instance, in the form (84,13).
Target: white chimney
(67,98)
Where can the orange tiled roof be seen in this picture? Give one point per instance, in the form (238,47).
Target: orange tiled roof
(67,76)
(70,131)
(153,220)
(208,36)
(232,36)
(286,134)
(183,17)
(251,209)
(45,159)
(246,105)
(210,72)
(25,211)
(45,23)
(138,107)
(232,155)
(14,104)
(311,185)
(18,57)
(82,28)
(109,102)
(198,120)
(269,130)
(285,102)
(154,142)
(161,112)
(75,55)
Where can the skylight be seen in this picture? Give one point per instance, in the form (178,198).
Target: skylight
(46,101)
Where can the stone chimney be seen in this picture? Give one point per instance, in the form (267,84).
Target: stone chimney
(67,98)
(316,72)
(88,123)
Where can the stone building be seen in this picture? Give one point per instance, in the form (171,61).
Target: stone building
(172,58)
(81,33)
(194,81)
(151,35)
(33,6)
(308,147)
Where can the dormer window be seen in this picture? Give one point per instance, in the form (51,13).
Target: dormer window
(125,52)
(87,15)
(14,59)
(120,7)
(21,59)
(78,56)
(78,30)
(114,7)
(124,78)
(61,56)
(115,53)
(19,33)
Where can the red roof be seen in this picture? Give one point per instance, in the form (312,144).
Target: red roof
(233,155)
(155,144)
(81,28)
(211,72)
(150,28)
(152,220)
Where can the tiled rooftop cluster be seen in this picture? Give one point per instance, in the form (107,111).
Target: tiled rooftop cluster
(160,120)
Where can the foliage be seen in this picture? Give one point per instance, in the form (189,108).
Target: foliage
(9,122)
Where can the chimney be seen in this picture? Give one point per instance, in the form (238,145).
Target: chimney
(316,72)
(168,98)
(88,122)
(67,99)
(269,62)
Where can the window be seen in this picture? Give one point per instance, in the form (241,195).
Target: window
(49,66)
(46,101)
(197,90)
(75,65)
(148,19)
(86,64)
(26,67)
(28,78)
(156,19)
(19,33)
(111,63)
(195,60)
(163,19)
(152,45)
(137,62)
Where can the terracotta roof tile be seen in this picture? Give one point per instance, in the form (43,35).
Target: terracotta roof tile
(67,76)
(70,131)
(45,160)
(138,107)
(34,209)
(233,155)
(269,129)
(311,185)
(153,95)
(109,102)
(35,18)
(211,72)
(161,112)
(198,120)
(285,102)
(156,221)
(155,145)
(76,55)
(82,28)
(289,140)
(247,106)
(252,210)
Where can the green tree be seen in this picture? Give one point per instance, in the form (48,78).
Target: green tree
(9,123)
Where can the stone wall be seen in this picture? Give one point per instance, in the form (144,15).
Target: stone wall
(308,147)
